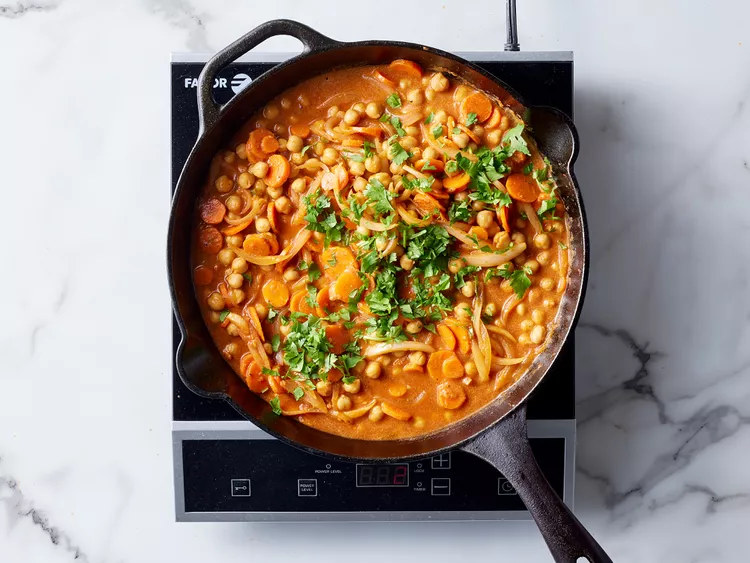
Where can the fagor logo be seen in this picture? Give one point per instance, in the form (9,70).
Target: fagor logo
(240,82)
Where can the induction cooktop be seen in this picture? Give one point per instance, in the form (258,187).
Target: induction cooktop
(227,469)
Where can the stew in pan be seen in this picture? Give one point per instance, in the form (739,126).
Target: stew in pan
(380,252)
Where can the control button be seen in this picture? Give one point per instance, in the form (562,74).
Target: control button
(442,461)
(504,487)
(240,487)
(307,487)
(441,486)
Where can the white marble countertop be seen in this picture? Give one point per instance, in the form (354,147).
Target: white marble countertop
(662,95)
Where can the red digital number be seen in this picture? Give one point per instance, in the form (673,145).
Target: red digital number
(399,475)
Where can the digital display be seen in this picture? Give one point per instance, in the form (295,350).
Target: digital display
(392,475)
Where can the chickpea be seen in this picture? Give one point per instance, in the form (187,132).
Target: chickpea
(537,334)
(234,240)
(406,263)
(372,164)
(245,180)
(384,360)
(294,143)
(468,289)
(363,231)
(236,296)
(430,153)
(478,130)
(462,311)
(382,177)
(271,112)
(381,244)
(524,339)
(262,225)
(537,315)
(274,192)
(230,157)
(232,330)
(319,148)
(226,255)
(490,310)
(359,184)
(518,238)
(543,258)
(353,387)
(412,130)
(526,325)
(373,369)
(324,388)
(285,330)
(439,82)
(374,110)
(396,168)
(356,168)
(299,185)
(501,239)
(298,158)
(542,241)
(546,283)
(282,143)
(268,348)
(521,223)
(262,310)
(223,184)
(477,206)
(215,301)
(418,358)
(532,265)
(234,203)
(333,110)
(231,350)
(351,117)
(455,265)
(521,309)
(344,403)
(470,368)
(549,303)
(440,117)
(485,218)
(235,280)
(375,414)
(239,265)
(259,169)
(330,156)
(461,139)
(283,205)
(408,142)
(291,274)
(429,94)
(494,137)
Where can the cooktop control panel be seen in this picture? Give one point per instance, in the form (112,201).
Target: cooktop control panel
(269,476)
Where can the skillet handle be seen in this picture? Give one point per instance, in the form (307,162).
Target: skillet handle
(208,109)
(507,448)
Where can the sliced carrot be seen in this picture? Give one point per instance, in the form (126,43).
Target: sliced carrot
(334,375)
(406,67)
(383,78)
(273,244)
(450,395)
(371,131)
(470,133)
(324,301)
(432,164)
(476,103)
(225,294)
(275,293)
(344,285)
(342,174)
(314,245)
(278,170)
(269,144)
(397,389)
(453,368)
(522,187)
(273,216)
(395,412)
(210,240)
(274,382)
(457,183)
(203,275)
(503,215)
(257,245)
(479,232)
(299,304)
(336,259)
(413,369)
(253,145)
(447,336)
(352,142)
(213,211)
(436,361)
(494,119)
(428,205)
(299,129)
(234,229)
(254,377)
(462,336)
(338,336)
(255,319)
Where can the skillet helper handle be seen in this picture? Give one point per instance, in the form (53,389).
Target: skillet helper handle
(507,448)
(208,109)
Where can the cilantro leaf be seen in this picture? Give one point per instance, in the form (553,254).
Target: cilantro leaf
(456,131)
(394,100)
(353,156)
(320,220)
(462,273)
(562,245)
(437,131)
(298,393)
(399,154)
(275,342)
(378,195)
(429,118)
(519,281)
(451,167)
(514,141)
(223,315)
(528,168)
(305,149)
(313,272)
(420,184)
(275,406)
(248,277)
(270,372)
(272,314)
(545,208)
(367,148)
(471,119)
(459,211)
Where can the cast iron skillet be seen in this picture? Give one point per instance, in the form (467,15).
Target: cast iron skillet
(496,433)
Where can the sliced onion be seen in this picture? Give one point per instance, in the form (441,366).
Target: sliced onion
(451,152)
(483,337)
(414,172)
(259,354)
(411,116)
(460,235)
(478,357)
(302,237)
(502,332)
(240,322)
(254,212)
(359,411)
(489,260)
(499,363)
(338,99)
(385,87)
(379,227)
(532,216)
(410,219)
(508,306)
(375,350)
(315,400)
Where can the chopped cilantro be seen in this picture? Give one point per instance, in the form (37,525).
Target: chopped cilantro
(354,156)
(367,148)
(437,131)
(223,315)
(421,184)
(275,342)
(298,393)
(562,245)
(451,167)
(459,211)
(514,140)
(305,149)
(427,166)
(528,168)
(519,279)
(313,272)
(248,277)
(429,118)
(272,314)
(312,295)
(394,100)
(318,220)
(471,119)
(456,131)
(270,372)
(399,154)
(429,247)
(379,197)
(460,276)
(349,379)
(275,406)
(356,209)
(545,208)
